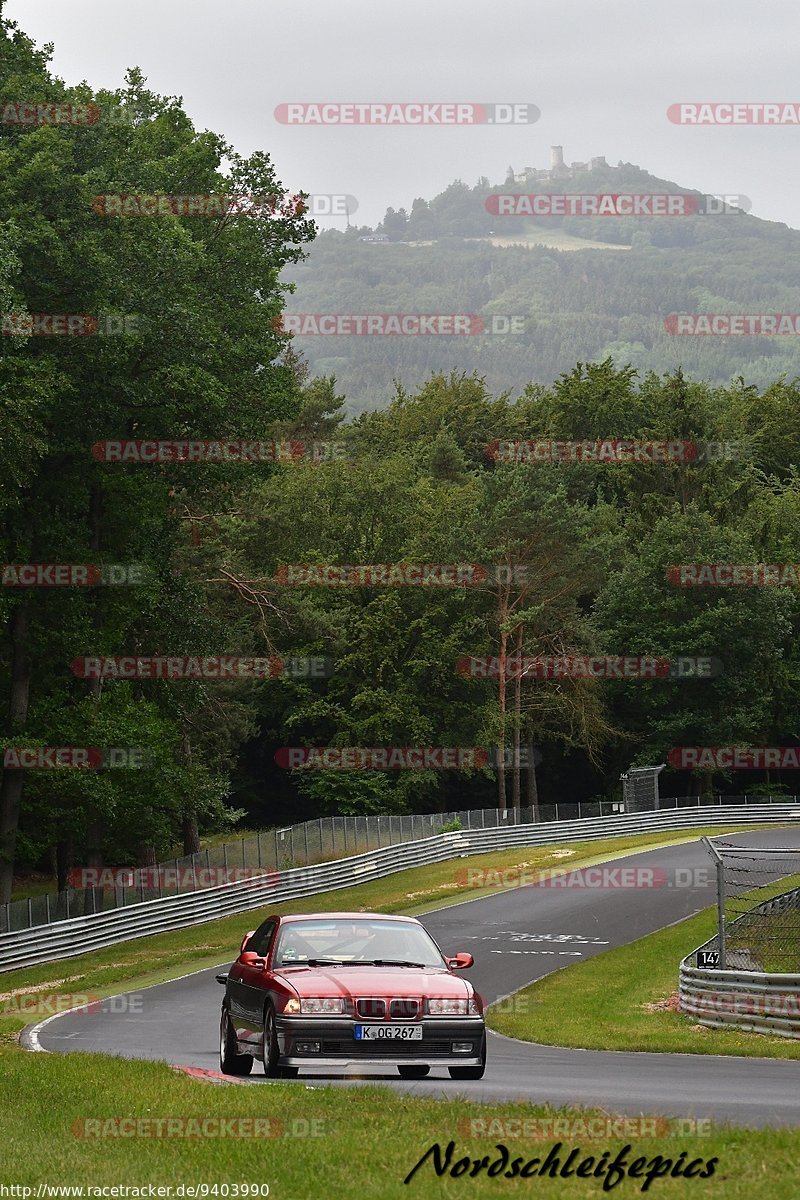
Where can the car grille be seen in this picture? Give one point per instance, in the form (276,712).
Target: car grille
(371,1008)
(404,1009)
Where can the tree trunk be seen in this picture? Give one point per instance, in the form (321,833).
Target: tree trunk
(12,780)
(533,786)
(515,767)
(501,752)
(191,834)
(63,862)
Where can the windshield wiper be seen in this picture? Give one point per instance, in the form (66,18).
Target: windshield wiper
(312,962)
(394,962)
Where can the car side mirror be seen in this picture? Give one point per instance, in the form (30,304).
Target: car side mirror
(461,962)
(248,959)
(245,940)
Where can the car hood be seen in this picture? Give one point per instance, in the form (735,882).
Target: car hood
(390,982)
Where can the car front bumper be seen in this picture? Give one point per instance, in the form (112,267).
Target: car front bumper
(338,1047)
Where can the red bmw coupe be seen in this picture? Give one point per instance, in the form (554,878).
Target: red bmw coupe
(339,989)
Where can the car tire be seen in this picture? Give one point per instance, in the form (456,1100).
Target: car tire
(270,1051)
(230,1061)
(471,1072)
(411,1071)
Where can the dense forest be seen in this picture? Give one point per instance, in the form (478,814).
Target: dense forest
(575,557)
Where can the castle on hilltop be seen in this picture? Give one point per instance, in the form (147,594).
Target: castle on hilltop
(558,168)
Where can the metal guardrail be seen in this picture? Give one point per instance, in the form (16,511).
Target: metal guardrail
(736,998)
(323,839)
(65,939)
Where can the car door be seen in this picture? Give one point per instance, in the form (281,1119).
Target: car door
(246,990)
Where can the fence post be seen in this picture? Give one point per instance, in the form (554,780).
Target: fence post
(258,843)
(305,839)
(344,822)
(47,907)
(277,858)
(244,857)
(291,844)
(712,849)
(321,848)
(30,912)
(224,858)
(66,906)
(556,810)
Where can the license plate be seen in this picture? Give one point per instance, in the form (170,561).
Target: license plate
(391,1033)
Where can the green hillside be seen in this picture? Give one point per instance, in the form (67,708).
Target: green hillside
(574,302)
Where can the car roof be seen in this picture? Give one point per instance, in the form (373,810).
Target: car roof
(347,916)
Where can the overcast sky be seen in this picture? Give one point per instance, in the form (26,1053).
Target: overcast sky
(602,72)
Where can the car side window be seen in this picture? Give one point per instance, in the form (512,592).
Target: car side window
(261,940)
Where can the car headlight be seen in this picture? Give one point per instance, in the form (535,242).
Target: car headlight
(319,1006)
(466,1007)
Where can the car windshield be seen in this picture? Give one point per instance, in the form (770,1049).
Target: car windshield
(339,941)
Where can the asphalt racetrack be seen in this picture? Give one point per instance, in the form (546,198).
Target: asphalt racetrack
(518,935)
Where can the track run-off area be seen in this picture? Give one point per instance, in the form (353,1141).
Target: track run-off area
(517,936)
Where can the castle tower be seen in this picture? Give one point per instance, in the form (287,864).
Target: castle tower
(556,158)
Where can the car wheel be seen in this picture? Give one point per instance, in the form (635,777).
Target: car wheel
(230,1061)
(411,1071)
(471,1072)
(270,1051)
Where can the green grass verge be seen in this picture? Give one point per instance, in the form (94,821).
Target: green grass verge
(625,999)
(341,1144)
